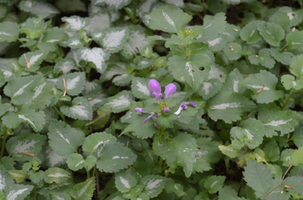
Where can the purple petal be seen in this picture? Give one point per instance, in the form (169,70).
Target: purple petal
(139,110)
(183,106)
(152,115)
(155,89)
(170,89)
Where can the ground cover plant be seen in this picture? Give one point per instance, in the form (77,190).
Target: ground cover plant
(121,99)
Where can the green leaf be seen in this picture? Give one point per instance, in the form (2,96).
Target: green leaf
(277,120)
(113,70)
(272,151)
(258,177)
(61,196)
(90,162)
(178,151)
(22,90)
(272,33)
(125,182)
(97,141)
(112,39)
(136,192)
(210,88)
(74,83)
(36,177)
(5,178)
(55,35)
(112,4)
(229,106)
(35,119)
(251,133)
(18,175)
(229,151)
(75,23)
(17,191)
(294,41)
(190,69)
(297,137)
(115,157)
(36,8)
(214,183)
(263,58)
(80,109)
(286,157)
(140,88)
(118,103)
(296,157)
(208,153)
(227,193)
(289,82)
(7,162)
(213,25)
(33,27)
(52,159)
(296,66)
(9,31)
(56,175)
(172,186)
(24,147)
(98,56)
(65,66)
(259,155)
(84,190)
(217,44)
(62,135)
(232,82)
(168,18)
(233,51)
(75,42)
(153,185)
(263,86)
(75,161)
(140,129)
(135,43)
(281,18)
(295,182)
(283,57)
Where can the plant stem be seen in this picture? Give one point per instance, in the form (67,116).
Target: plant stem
(97,183)
(279,183)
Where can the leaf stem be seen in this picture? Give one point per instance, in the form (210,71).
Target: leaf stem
(61,115)
(288,98)
(279,183)
(3,142)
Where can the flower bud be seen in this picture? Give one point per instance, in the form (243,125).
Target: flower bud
(166,110)
(155,89)
(170,89)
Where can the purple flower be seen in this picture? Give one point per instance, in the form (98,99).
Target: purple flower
(139,110)
(183,106)
(170,89)
(166,110)
(155,89)
(152,115)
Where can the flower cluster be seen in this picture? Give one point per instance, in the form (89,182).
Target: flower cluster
(155,91)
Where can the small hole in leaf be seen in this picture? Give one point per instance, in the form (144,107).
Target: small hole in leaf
(202,68)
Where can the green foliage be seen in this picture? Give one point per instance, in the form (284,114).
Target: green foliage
(81,118)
